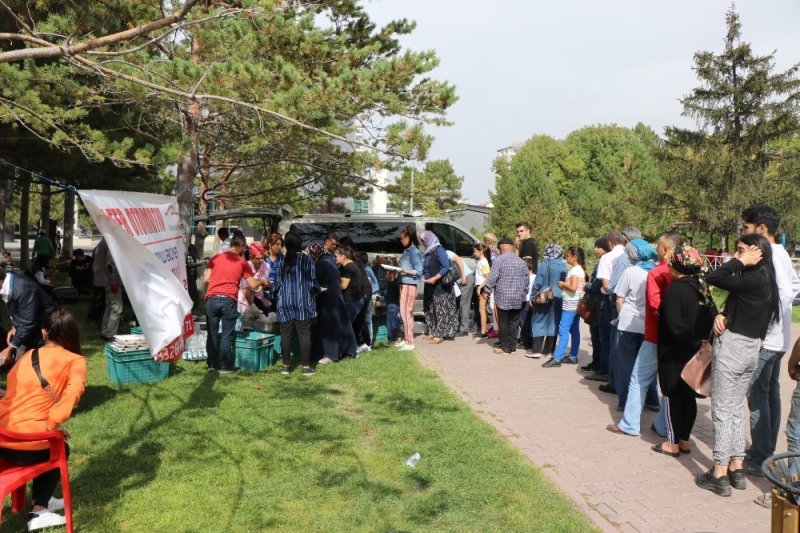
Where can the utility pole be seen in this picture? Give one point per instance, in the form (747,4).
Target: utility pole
(411,206)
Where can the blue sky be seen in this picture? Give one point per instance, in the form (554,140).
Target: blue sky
(534,67)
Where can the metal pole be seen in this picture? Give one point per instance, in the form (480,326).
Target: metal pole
(411,206)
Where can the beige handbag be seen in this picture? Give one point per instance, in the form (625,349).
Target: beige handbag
(697,372)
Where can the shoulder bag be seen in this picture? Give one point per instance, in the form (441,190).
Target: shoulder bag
(697,372)
(587,307)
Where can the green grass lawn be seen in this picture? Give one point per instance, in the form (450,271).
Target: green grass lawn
(258,452)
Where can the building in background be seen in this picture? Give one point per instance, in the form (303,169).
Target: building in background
(472,217)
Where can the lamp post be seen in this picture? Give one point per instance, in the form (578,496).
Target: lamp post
(411,205)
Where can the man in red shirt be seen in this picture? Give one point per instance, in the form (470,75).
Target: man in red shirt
(643,378)
(222,277)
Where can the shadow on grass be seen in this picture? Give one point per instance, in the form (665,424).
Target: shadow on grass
(94,396)
(403,404)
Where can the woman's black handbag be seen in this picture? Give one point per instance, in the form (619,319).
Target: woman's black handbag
(451,277)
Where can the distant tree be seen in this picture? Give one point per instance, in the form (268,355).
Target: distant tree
(743,109)
(437,188)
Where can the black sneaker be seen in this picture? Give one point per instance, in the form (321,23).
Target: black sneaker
(605,387)
(308,371)
(736,479)
(570,361)
(551,363)
(718,485)
(286,370)
(587,368)
(753,470)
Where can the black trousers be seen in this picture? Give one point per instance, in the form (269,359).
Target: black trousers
(681,407)
(303,330)
(508,321)
(44,484)
(525,334)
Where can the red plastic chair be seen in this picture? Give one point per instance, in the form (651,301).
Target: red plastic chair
(14,478)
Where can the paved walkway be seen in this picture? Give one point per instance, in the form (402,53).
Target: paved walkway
(558,420)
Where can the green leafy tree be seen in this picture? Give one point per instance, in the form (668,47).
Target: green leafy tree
(436,189)
(743,109)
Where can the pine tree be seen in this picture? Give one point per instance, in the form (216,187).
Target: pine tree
(742,107)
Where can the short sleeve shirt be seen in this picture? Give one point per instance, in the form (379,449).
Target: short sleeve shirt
(606,263)
(227,270)
(632,286)
(353,291)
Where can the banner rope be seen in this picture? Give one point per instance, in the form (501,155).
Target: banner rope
(39,177)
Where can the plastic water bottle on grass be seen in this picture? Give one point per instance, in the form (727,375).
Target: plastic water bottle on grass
(413,460)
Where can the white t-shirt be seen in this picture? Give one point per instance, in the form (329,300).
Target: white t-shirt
(481,271)
(606,264)
(570,298)
(633,287)
(779,335)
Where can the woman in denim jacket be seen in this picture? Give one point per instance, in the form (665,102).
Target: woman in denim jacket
(410,274)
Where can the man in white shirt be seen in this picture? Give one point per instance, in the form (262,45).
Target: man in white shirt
(764,395)
(605,312)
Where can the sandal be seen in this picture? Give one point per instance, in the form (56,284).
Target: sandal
(658,449)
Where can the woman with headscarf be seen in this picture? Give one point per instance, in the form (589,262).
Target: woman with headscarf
(685,317)
(545,299)
(333,336)
(255,304)
(631,302)
(439,301)
(753,304)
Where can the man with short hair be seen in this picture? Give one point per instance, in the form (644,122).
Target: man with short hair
(330,243)
(527,244)
(28,306)
(764,394)
(224,240)
(604,312)
(222,276)
(508,281)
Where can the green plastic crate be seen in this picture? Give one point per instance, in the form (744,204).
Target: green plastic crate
(276,346)
(136,330)
(253,350)
(126,368)
(379,330)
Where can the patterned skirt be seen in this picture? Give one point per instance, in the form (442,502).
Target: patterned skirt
(441,315)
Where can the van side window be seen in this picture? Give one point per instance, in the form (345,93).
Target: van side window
(444,234)
(316,233)
(376,237)
(463,243)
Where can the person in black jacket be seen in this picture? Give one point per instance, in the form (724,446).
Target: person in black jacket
(752,305)
(28,306)
(686,316)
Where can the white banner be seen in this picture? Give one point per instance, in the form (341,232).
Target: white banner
(143,233)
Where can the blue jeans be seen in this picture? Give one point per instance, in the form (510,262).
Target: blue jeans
(353,308)
(220,345)
(793,423)
(641,390)
(614,334)
(570,326)
(764,401)
(625,352)
(604,327)
(392,321)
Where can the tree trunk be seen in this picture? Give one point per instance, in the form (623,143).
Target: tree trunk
(44,215)
(3,205)
(24,208)
(69,222)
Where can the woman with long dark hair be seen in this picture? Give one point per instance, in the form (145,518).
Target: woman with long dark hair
(752,305)
(296,286)
(351,277)
(27,407)
(569,325)
(410,274)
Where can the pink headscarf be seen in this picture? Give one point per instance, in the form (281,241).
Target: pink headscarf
(256,248)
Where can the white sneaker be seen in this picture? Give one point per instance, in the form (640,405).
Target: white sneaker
(46,519)
(325,361)
(406,347)
(55,504)
(363,348)
(399,344)
(533,355)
